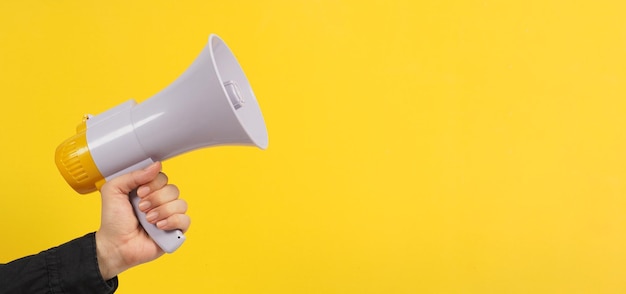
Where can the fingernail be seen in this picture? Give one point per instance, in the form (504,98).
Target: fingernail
(143,191)
(161,223)
(152,165)
(152,215)
(144,205)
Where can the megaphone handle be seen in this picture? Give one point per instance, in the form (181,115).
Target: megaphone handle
(169,241)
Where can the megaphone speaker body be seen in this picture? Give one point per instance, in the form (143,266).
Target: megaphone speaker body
(210,104)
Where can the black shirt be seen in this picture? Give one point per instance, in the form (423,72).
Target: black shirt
(69,268)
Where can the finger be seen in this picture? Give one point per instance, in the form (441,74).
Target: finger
(175,222)
(178,206)
(128,182)
(157,183)
(159,197)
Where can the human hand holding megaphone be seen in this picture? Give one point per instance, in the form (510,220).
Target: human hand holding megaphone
(210,104)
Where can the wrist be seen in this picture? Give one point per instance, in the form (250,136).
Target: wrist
(109,261)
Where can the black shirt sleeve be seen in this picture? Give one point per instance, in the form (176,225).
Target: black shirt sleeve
(69,268)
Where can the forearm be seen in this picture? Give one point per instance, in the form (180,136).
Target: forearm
(69,268)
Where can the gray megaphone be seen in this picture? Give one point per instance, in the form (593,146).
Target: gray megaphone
(210,104)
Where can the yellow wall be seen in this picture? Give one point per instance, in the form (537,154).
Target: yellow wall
(415,146)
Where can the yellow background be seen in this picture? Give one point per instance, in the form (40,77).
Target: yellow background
(415,146)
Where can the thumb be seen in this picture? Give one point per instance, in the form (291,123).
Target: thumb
(130,181)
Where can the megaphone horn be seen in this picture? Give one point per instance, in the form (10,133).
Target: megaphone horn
(210,104)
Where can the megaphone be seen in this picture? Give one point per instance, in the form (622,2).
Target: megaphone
(210,104)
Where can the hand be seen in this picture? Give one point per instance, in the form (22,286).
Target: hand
(121,242)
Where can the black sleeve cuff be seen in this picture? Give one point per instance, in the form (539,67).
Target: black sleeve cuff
(73,268)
